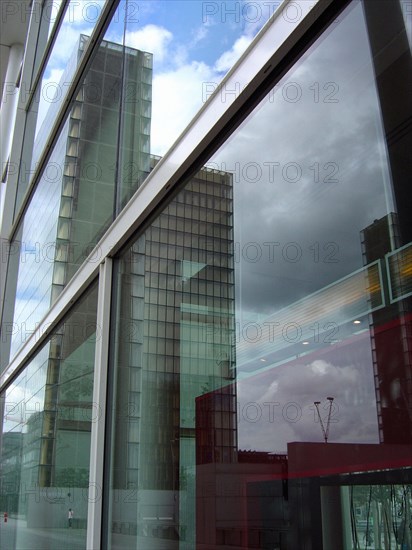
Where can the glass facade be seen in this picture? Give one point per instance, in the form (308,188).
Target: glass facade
(48,413)
(123,115)
(173,286)
(252,341)
(81,185)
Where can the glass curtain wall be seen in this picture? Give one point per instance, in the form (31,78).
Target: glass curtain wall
(45,454)
(76,191)
(261,356)
(146,80)
(174,286)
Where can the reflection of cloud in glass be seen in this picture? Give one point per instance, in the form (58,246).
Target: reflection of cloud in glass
(277,407)
(309,170)
(173,110)
(305,165)
(25,396)
(151,38)
(185,59)
(229,58)
(52,82)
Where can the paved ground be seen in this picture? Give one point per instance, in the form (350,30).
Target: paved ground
(15,534)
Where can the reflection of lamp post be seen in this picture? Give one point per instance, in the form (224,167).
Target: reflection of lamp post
(325,431)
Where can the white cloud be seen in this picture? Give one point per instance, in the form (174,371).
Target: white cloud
(179,92)
(199,34)
(319,367)
(229,58)
(151,38)
(51,88)
(177,96)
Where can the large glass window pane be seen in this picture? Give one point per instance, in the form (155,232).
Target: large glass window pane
(146,80)
(163,361)
(263,319)
(190,58)
(45,452)
(182,67)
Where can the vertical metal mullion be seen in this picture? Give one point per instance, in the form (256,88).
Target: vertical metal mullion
(94,513)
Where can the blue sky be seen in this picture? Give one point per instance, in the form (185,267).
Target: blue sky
(220,24)
(192,42)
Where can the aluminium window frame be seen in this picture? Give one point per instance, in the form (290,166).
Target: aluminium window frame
(98,414)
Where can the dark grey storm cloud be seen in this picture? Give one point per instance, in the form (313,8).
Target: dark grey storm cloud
(294,237)
(310,173)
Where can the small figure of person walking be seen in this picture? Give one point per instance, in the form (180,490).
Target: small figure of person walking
(70,517)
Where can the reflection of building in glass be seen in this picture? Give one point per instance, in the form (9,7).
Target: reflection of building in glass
(323,317)
(10,469)
(55,443)
(87,169)
(53,425)
(92,161)
(391,333)
(66,420)
(88,162)
(176,334)
(252,509)
(86,159)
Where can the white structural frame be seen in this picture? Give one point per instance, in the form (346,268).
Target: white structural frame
(97,439)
